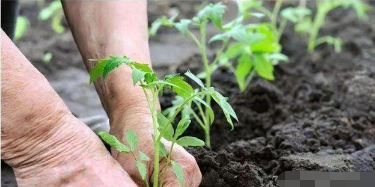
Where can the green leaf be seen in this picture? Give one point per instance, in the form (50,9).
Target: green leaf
(209,109)
(182,126)
(162,21)
(234,50)
(183,26)
(194,78)
(263,67)
(56,24)
(143,156)
(267,43)
(142,169)
(114,62)
(177,170)
(98,70)
(165,127)
(21,27)
(225,106)
(137,75)
(295,14)
(245,5)
(277,57)
(181,87)
(243,69)
(189,141)
(162,150)
(304,26)
(132,139)
(114,142)
(213,13)
(49,11)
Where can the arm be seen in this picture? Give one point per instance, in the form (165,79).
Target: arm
(43,142)
(112,28)
(120,28)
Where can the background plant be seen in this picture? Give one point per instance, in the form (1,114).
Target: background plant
(55,13)
(213,13)
(145,77)
(310,25)
(22,25)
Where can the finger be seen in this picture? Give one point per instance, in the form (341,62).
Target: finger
(192,174)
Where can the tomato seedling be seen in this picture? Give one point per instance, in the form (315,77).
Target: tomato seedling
(147,79)
(212,13)
(310,26)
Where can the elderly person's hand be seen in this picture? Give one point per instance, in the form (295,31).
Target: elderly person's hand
(139,120)
(40,139)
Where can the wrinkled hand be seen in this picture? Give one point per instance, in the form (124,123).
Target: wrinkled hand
(68,155)
(140,121)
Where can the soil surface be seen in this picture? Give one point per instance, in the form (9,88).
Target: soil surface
(319,113)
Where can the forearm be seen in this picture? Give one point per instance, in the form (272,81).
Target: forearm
(112,28)
(32,112)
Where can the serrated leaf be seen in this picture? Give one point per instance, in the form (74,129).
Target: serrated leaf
(177,170)
(132,139)
(263,67)
(114,62)
(243,69)
(98,70)
(143,156)
(183,26)
(182,126)
(213,13)
(181,87)
(114,142)
(165,127)
(189,141)
(194,78)
(225,106)
(142,169)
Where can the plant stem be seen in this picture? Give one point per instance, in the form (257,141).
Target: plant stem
(207,69)
(157,142)
(281,29)
(318,22)
(276,11)
(168,162)
(219,52)
(152,107)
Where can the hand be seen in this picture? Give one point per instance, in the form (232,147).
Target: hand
(69,155)
(139,120)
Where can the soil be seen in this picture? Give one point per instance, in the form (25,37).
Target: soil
(319,113)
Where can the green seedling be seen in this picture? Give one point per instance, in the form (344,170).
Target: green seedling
(310,26)
(54,12)
(152,86)
(21,27)
(255,49)
(213,13)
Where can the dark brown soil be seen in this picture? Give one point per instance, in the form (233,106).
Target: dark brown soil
(319,114)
